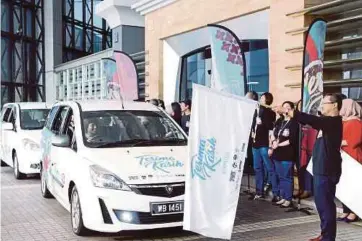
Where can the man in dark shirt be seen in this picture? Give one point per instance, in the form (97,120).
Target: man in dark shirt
(327,161)
(186,114)
(263,123)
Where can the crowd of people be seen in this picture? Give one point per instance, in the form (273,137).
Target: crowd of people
(180,112)
(276,151)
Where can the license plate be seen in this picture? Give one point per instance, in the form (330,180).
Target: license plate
(167,208)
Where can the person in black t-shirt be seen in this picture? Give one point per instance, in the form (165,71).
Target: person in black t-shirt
(327,160)
(186,114)
(282,150)
(263,123)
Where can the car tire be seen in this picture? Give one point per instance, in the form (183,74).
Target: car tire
(76,214)
(44,188)
(18,175)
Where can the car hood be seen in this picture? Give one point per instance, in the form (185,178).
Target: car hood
(34,135)
(141,165)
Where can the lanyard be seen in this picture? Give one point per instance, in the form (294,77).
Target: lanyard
(256,124)
(282,128)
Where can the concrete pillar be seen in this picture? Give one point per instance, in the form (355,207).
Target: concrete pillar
(127,25)
(53,45)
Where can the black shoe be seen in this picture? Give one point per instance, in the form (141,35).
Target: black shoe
(275,199)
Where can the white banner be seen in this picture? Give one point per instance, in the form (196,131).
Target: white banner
(349,186)
(218,142)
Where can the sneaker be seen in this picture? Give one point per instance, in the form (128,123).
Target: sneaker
(258,197)
(286,204)
(267,188)
(281,202)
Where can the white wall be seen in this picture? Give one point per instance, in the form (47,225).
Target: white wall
(252,26)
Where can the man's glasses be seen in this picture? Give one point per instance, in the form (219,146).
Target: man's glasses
(325,103)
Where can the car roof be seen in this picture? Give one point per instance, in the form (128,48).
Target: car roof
(31,105)
(99,105)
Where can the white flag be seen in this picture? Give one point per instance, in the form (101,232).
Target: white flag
(349,186)
(218,142)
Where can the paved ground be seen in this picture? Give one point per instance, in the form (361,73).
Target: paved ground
(25,215)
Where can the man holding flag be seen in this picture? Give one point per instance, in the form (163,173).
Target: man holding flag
(327,160)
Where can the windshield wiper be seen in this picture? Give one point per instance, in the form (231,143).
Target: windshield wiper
(137,142)
(115,144)
(159,141)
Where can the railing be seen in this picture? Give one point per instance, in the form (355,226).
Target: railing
(85,78)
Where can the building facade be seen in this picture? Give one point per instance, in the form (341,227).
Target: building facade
(53,45)
(272,33)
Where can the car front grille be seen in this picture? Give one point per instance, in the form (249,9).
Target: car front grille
(160,190)
(147,218)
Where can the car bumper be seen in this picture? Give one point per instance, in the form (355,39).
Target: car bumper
(29,161)
(113,211)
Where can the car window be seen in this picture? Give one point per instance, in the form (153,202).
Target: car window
(5,114)
(12,116)
(69,129)
(51,116)
(33,119)
(130,127)
(59,119)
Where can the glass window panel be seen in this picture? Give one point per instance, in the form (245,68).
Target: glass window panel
(97,21)
(78,10)
(78,38)
(67,8)
(97,42)
(29,22)
(355,93)
(16,20)
(4,94)
(18,94)
(5,65)
(89,46)
(17,63)
(5,17)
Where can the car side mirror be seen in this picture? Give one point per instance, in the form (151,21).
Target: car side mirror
(7,126)
(61,141)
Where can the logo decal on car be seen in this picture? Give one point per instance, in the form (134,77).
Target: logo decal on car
(169,189)
(159,163)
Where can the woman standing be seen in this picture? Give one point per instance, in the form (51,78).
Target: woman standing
(351,113)
(176,113)
(282,150)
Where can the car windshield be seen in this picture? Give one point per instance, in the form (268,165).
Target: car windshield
(33,119)
(104,129)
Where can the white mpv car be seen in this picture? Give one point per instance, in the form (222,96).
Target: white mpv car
(114,168)
(21,125)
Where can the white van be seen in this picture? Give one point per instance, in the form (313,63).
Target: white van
(114,167)
(21,125)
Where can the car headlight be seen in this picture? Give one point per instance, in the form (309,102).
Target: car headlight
(105,179)
(30,145)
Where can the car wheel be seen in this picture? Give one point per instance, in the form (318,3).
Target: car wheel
(17,173)
(76,214)
(44,188)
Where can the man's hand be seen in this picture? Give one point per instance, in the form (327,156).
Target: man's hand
(280,110)
(344,143)
(275,144)
(270,152)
